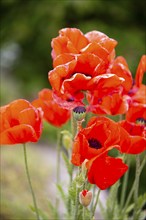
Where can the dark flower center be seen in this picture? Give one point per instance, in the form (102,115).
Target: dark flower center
(140,121)
(79,109)
(94,143)
(70,99)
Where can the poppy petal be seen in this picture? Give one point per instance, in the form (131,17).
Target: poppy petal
(76,83)
(105,83)
(120,68)
(58,74)
(53,112)
(141,69)
(70,40)
(18,134)
(105,171)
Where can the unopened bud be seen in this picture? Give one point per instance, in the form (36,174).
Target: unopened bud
(66,139)
(79,113)
(84,168)
(85,197)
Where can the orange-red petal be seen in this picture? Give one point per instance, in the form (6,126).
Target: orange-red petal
(105,171)
(141,69)
(120,68)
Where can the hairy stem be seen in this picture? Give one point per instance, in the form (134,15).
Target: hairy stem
(137,177)
(58,163)
(29,181)
(124,188)
(95,205)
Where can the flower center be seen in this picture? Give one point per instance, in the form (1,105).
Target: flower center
(140,121)
(94,143)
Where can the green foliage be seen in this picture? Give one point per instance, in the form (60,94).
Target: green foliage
(67,163)
(111,210)
(54,213)
(42,214)
(62,194)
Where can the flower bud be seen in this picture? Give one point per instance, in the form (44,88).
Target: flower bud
(85,197)
(84,168)
(79,113)
(66,139)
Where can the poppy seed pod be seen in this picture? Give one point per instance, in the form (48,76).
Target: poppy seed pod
(85,197)
(79,113)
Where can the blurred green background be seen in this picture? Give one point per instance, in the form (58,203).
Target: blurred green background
(27,28)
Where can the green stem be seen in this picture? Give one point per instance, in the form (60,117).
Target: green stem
(29,181)
(73,126)
(94,190)
(77,198)
(58,164)
(121,117)
(95,205)
(84,212)
(76,203)
(124,187)
(115,187)
(137,177)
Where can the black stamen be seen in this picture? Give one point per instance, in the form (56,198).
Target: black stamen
(94,143)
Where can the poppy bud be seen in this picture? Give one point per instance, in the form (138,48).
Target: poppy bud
(66,139)
(85,197)
(79,113)
(84,168)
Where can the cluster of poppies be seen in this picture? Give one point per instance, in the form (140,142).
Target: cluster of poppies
(86,72)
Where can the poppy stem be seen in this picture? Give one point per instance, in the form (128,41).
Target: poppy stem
(29,181)
(77,199)
(73,126)
(84,209)
(58,163)
(137,177)
(95,205)
(124,186)
(94,190)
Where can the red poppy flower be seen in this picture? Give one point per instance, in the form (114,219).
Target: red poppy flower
(84,72)
(104,171)
(111,104)
(100,135)
(72,40)
(93,143)
(20,123)
(138,91)
(134,127)
(53,113)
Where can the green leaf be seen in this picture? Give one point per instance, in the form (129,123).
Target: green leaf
(63,196)
(67,163)
(53,210)
(42,214)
